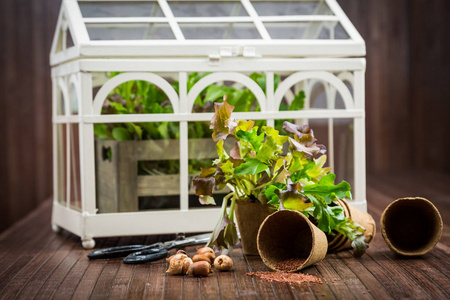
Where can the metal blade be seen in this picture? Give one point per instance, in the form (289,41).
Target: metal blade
(191,240)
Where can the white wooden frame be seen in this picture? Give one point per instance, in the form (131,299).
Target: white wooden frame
(227,61)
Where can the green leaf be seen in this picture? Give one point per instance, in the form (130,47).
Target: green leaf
(227,169)
(302,170)
(326,188)
(260,80)
(317,171)
(244,125)
(120,109)
(293,200)
(242,100)
(251,166)
(272,191)
(101,131)
(221,153)
(206,200)
(133,128)
(298,102)
(272,146)
(354,232)
(121,134)
(251,137)
(224,234)
(215,92)
(163,130)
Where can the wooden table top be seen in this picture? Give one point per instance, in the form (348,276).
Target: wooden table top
(37,263)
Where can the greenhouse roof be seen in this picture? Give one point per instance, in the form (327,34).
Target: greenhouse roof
(187,28)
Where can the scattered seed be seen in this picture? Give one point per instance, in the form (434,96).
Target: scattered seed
(290,264)
(295,278)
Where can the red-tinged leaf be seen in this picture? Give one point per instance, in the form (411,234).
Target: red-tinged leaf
(204,186)
(235,152)
(207,172)
(222,121)
(304,140)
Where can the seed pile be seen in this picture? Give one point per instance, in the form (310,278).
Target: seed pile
(289,264)
(293,278)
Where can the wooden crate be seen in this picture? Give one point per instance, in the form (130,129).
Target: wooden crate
(118,185)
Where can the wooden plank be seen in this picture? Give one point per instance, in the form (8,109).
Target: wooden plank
(334,281)
(227,282)
(355,286)
(57,277)
(18,282)
(87,283)
(264,289)
(104,281)
(17,249)
(373,286)
(191,285)
(320,291)
(73,277)
(41,276)
(120,285)
(248,287)
(209,287)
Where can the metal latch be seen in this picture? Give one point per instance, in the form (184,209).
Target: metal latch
(231,51)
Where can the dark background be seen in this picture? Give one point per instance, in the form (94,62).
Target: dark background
(407,92)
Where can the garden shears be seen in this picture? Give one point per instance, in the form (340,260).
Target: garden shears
(138,254)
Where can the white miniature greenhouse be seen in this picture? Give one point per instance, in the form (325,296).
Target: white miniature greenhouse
(133,88)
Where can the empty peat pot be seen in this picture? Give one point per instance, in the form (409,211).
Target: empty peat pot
(289,235)
(411,226)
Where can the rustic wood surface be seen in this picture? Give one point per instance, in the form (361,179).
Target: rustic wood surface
(406,92)
(37,263)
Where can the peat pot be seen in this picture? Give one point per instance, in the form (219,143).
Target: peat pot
(249,216)
(289,235)
(411,226)
(340,242)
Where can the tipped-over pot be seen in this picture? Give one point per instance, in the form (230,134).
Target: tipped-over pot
(411,226)
(289,235)
(340,242)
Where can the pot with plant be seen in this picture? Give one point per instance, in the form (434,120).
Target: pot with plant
(263,179)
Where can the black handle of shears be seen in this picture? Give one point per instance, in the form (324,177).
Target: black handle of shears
(121,251)
(148,255)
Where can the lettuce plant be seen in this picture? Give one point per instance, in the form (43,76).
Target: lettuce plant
(142,97)
(257,169)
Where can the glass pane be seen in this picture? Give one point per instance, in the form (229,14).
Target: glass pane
(207,8)
(74,100)
(306,30)
(237,94)
(135,31)
(141,173)
(103,9)
(60,103)
(137,97)
(219,31)
(292,8)
(61,172)
(75,178)
(344,152)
